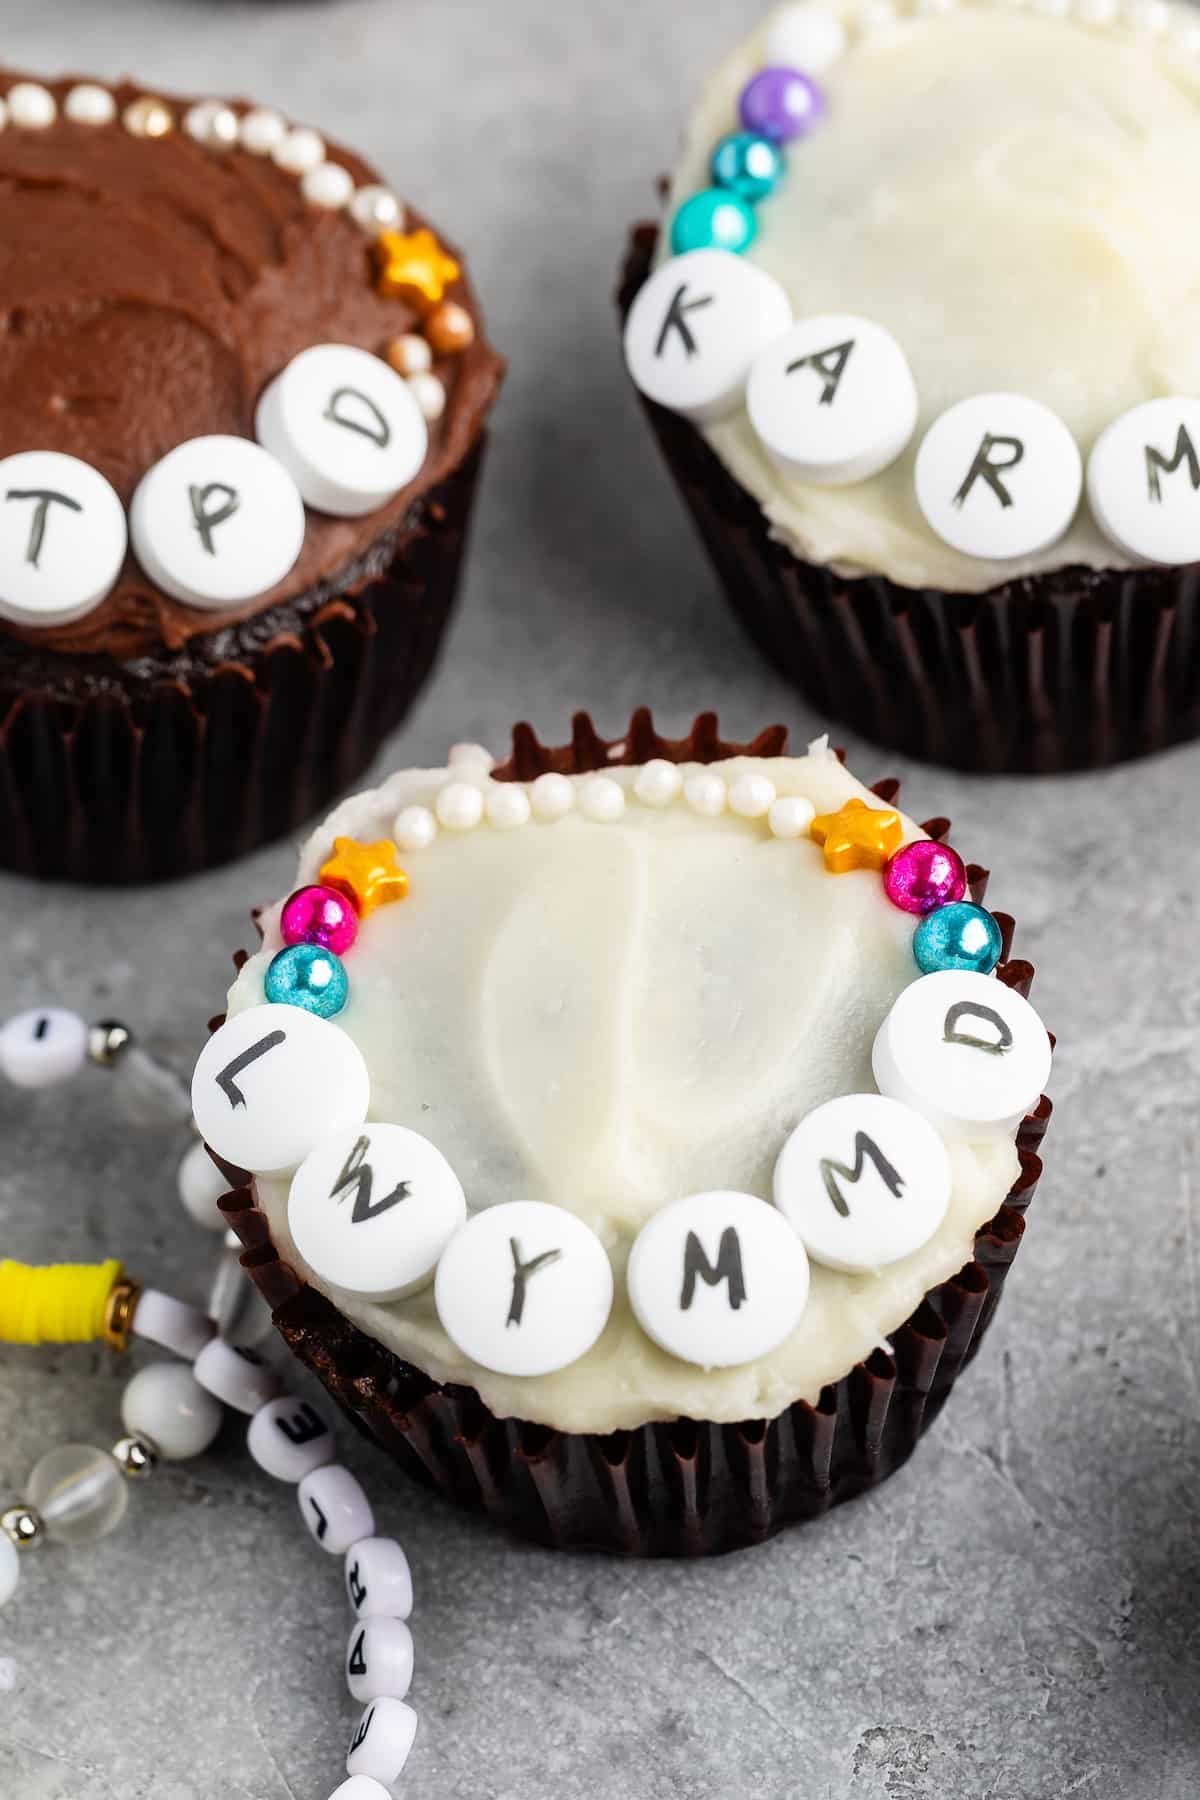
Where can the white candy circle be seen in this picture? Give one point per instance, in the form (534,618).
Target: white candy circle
(551,797)
(806,38)
(602,799)
(790,816)
(371,1210)
(429,392)
(415,828)
(217,521)
(697,325)
(299,150)
(62,538)
(345,426)
(863,1181)
(833,400)
(470,758)
(752,796)
(1143,481)
(200,1185)
(376,209)
(89,104)
(328,185)
(459,806)
(42,1047)
(657,783)
(31,106)
(964,1050)
(261,130)
(524,1288)
(273,1082)
(718,1279)
(507,805)
(705,794)
(998,476)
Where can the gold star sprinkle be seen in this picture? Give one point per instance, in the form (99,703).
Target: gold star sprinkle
(368,874)
(858,837)
(413,266)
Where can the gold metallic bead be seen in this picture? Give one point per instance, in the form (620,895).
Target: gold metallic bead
(147,117)
(136,1457)
(22,1526)
(108,1041)
(118,1314)
(450,328)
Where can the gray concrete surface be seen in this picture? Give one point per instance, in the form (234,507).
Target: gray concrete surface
(1015,1616)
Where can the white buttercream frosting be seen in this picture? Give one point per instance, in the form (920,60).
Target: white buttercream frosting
(609,1014)
(1010,195)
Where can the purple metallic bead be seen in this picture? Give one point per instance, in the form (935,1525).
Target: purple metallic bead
(319,915)
(781,104)
(924,876)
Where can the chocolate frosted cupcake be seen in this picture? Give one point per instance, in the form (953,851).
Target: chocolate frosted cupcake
(242,395)
(641,1132)
(917,340)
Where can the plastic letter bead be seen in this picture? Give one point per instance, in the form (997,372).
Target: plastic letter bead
(319,915)
(289,1439)
(998,476)
(551,797)
(379,1659)
(657,783)
(747,164)
(863,1181)
(382,1741)
(834,400)
(62,538)
(713,219)
(166,1404)
(335,1508)
(780,103)
(305,975)
(964,1050)
(172,1324)
(216,521)
(524,1288)
(923,876)
(201,1184)
(1143,476)
(717,1279)
(10,1569)
(378,1579)
(42,1047)
(961,936)
(371,1211)
(695,328)
(274,1081)
(237,1377)
(79,1492)
(806,37)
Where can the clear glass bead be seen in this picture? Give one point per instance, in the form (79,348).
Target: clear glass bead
(79,1493)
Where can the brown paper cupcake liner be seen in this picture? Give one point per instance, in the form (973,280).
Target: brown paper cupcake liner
(691,1487)
(113,773)
(1072,669)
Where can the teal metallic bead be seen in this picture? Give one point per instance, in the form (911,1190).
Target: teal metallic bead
(747,165)
(310,976)
(960,936)
(713,220)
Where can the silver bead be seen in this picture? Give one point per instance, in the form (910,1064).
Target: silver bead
(79,1492)
(136,1457)
(22,1527)
(108,1040)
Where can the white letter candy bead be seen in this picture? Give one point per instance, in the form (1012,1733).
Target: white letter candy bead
(272,1083)
(863,1181)
(378,1579)
(964,1050)
(166,1404)
(998,476)
(806,38)
(238,1378)
(834,400)
(289,1439)
(696,327)
(345,426)
(371,1211)
(10,1568)
(42,1047)
(381,1744)
(1144,481)
(201,1184)
(379,1659)
(217,521)
(335,1508)
(718,1279)
(62,538)
(172,1324)
(524,1288)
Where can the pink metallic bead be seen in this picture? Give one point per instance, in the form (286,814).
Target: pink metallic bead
(923,876)
(319,915)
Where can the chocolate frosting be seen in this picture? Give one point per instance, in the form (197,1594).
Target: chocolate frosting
(149,290)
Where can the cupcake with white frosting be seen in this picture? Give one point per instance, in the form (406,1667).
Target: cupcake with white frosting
(638,1135)
(917,336)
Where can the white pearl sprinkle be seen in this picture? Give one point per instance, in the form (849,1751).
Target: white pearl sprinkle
(806,37)
(751,796)
(429,395)
(657,783)
(471,759)
(327,185)
(705,794)
(213,124)
(551,797)
(875,15)
(507,805)
(31,106)
(1187,38)
(261,131)
(1097,12)
(790,816)
(90,104)
(376,208)
(933,9)
(459,806)
(602,799)
(410,354)
(301,150)
(1052,9)
(415,828)
(1150,16)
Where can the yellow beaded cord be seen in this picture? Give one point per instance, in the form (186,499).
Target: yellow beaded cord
(64,1303)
